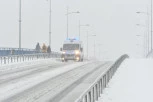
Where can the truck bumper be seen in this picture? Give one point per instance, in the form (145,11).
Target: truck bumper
(70,57)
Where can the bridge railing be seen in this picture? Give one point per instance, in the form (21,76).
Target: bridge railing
(93,92)
(16,51)
(150,54)
(27,57)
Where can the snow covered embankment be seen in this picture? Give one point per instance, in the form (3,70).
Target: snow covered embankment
(131,83)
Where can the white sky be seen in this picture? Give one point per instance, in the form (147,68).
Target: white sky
(113,21)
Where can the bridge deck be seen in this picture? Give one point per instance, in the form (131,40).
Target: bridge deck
(48,81)
(84,84)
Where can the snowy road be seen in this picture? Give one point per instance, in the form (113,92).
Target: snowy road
(45,80)
(13,75)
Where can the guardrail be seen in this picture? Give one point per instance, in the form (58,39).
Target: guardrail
(16,51)
(150,54)
(23,49)
(27,57)
(93,92)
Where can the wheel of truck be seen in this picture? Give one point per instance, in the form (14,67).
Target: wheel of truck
(81,59)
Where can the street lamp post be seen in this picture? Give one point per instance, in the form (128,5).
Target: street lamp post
(80,29)
(87,43)
(143,47)
(151,25)
(100,51)
(50,24)
(146,51)
(68,13)
(94,46)
(149,40)
(20,24)
(138,53)
(67,22)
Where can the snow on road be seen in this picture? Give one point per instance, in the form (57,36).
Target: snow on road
(12,88)
(21,65)
(133,82)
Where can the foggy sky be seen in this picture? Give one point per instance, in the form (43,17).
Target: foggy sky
(113,22)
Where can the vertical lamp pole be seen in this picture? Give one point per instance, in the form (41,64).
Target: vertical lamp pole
(151,25)
(19,24)
(87,35)
(94,46)
(68,20)
(100,50)
(80,29)
(148,40)
(145,40)
(87,45)
(149,35)
(50,25)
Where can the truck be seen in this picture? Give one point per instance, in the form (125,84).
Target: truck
(72,50)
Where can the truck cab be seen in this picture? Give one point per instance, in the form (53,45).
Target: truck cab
(72,50)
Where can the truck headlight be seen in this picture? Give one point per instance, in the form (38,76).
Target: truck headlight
(77,52)
(63,52)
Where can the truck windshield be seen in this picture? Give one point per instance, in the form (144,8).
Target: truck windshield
(71,47)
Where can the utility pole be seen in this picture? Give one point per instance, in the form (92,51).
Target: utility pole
(20,24)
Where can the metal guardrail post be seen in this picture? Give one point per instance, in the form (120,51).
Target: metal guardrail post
(28,57)
(11,59)
(4,60)
(17,58)
(1,60)
(23,58)
(8,60)
(14,59)
(94,91)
